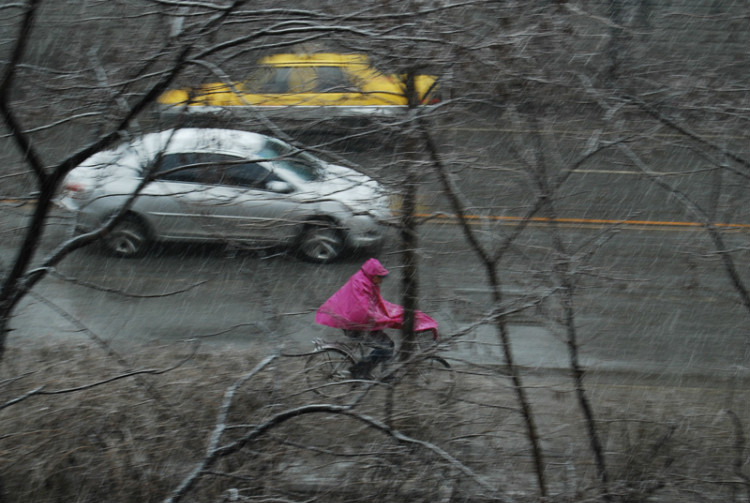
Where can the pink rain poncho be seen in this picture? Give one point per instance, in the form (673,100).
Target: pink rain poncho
(358,305)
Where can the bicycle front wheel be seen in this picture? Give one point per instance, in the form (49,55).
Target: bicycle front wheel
(434,380)
(327,372)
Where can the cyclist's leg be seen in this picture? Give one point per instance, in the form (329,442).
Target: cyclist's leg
(359,369)
(382,351)
(384,345)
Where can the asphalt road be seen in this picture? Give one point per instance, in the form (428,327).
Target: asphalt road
(642,304)
(651,295)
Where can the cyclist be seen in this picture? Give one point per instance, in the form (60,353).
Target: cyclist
(359,309)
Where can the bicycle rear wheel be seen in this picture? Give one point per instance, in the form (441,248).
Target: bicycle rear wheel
(327,372)
(434,379)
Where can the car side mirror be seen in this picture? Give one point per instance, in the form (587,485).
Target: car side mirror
(279,186)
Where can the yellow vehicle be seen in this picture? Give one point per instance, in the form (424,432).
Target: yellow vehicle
(305,86)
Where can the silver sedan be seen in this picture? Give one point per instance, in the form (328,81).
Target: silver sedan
(229,186)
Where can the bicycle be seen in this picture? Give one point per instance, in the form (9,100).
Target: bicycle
(328,369)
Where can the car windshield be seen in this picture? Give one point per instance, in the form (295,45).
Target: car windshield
(300,164)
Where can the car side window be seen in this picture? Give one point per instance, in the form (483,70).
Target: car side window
(331,79)
(269,80)
(302,79)
(195,167)
(251,175)
(171,167)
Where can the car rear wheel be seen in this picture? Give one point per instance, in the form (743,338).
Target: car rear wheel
(321,242)
(128,238)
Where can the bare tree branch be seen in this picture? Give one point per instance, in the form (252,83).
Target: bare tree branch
(684,130)
(119,291)
(215,452)
(500,322)
(39,391)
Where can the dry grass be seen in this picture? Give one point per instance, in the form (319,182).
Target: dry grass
(122,441)
(134,439)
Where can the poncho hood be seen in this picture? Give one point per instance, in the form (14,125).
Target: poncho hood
(373,267)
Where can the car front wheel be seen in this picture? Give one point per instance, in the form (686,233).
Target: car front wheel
(321,242)
(128,238)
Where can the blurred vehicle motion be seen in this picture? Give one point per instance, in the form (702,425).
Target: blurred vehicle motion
(305,87)
(225,186)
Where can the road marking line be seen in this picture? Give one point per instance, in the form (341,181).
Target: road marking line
(580,132)
(613,172)
(583,221)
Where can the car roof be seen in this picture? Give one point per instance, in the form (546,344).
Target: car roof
(172,141)
(210,139)
(315,59)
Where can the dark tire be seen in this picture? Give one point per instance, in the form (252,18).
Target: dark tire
(128,238)
(327,372)
(321,242)
(434,380)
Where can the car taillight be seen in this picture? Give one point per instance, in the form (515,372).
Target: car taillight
(76,190)
(432,96)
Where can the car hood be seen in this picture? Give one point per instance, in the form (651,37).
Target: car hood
(355,190)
